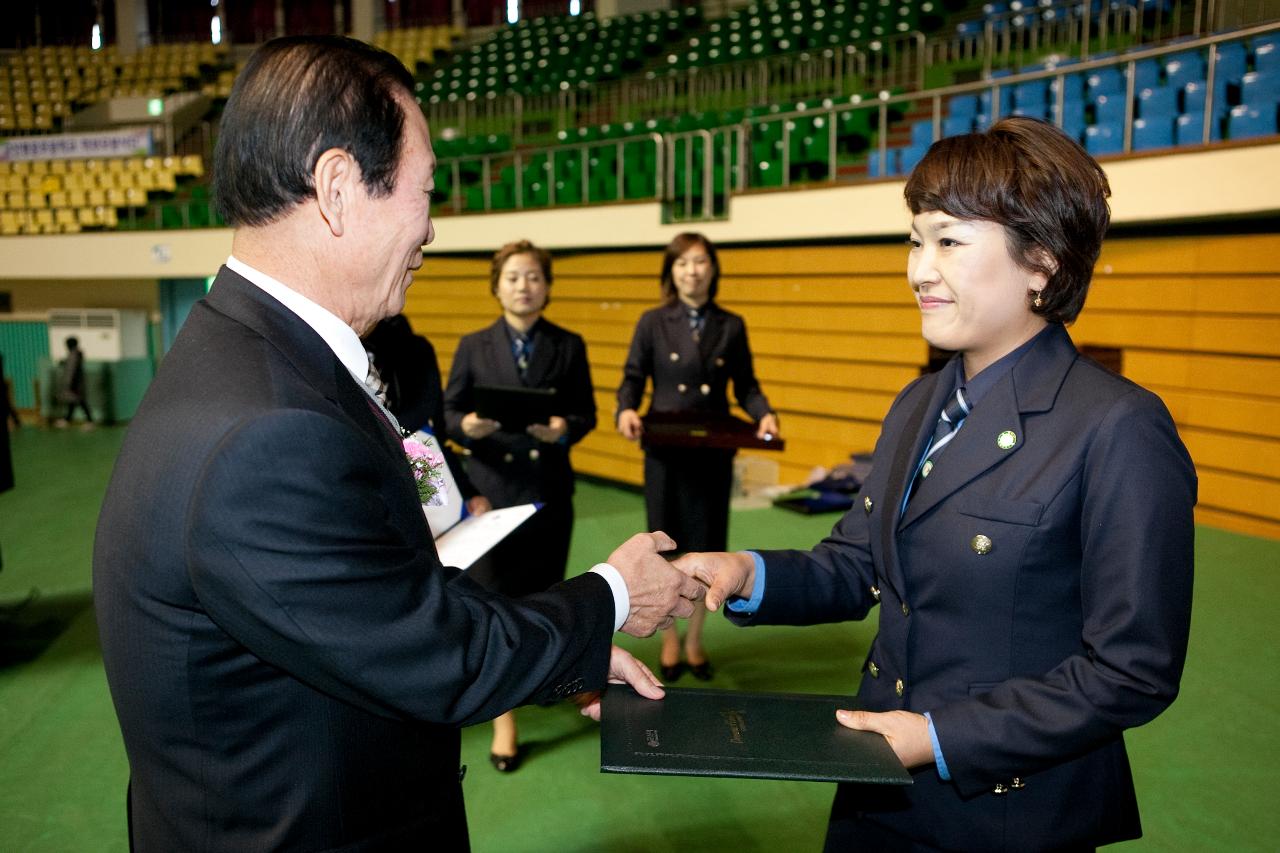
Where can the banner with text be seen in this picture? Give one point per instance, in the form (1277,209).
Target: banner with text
(129,142)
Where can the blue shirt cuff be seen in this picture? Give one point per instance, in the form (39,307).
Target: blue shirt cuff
(943,773)
(748,606)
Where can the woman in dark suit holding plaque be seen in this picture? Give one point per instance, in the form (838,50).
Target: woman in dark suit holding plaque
(525,464)
(691,348)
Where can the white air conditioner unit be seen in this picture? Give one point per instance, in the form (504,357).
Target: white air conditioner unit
(104,334)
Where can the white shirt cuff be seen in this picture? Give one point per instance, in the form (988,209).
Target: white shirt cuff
(621,598)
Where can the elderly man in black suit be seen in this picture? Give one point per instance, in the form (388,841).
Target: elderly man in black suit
(287,656)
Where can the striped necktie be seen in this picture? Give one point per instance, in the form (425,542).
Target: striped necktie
(949,422)
(373,381)
(522,349)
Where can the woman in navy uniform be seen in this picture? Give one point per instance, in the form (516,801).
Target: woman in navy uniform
(1031,554)
(691,348)
(509,467)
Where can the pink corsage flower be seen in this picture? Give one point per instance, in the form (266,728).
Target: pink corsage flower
(427,466)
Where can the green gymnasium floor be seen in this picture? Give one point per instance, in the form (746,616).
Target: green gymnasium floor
(1206,769)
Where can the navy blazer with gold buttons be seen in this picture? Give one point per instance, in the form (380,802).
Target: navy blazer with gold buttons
(1035,598)
(689,375)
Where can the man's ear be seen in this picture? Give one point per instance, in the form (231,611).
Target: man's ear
(335,176)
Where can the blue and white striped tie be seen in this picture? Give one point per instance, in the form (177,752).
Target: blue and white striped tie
(953,415)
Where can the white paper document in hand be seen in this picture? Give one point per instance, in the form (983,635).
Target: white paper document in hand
(471,538)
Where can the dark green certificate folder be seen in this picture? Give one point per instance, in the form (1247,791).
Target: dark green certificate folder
(727,733)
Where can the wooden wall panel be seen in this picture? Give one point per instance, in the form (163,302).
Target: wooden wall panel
(836,336)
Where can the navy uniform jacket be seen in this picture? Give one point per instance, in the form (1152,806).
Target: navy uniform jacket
(689,375)
(287,656)
(1035,597)
(514,467)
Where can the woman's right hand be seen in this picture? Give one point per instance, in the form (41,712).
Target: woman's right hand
(476,427)
(629,424)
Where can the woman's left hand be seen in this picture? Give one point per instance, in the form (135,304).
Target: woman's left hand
(551,431)
(907,733)
(768,427)
(479,505)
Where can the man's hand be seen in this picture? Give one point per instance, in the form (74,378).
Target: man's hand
(476,427)
(551,431)
(629,424)
(725,574)
(906,732)
(659,594)
(479,505)
(623,669)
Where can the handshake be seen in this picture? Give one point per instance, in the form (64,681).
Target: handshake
(660,592)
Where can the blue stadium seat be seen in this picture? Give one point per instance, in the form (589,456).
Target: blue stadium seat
(1105,81)
(1152,133)
(874,167)
(1193,98)
(1146,74)
(1181,72)
(922,132)
(910,156)
(1189,129)
(1260,89)
(1160,102)
(1102,139)
(1039,111)
(963,105)
(1266,54)
(1031,95)
(957,125)
(1006,101)
(1073,85)
(1246,122)
(1073,119)
(1230,64)
(1109,110)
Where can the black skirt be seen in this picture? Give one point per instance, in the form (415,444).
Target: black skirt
(686,495)
(533,557)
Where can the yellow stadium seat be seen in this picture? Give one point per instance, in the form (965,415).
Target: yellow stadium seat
(77,197)
(58,198)
(15,200)
(36,200)
(58,167)
(9,224)
(193,165)
(96,197)
(50,183)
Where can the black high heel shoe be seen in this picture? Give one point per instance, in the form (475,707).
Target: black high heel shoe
(702,671)
(506,763)
(673,671)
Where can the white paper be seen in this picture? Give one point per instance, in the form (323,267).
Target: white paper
(473,537)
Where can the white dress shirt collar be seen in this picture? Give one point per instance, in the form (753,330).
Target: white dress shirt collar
(340,337)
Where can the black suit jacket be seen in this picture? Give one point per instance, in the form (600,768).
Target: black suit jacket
(514,467)
(288,659)
(689,375)
(1035,646)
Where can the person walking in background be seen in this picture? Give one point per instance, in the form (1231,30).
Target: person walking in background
(71,385)
(530,465)
(691,348)
(1027,530)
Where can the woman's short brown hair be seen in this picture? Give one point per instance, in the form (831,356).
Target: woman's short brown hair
(677,247)
(518,247)
(1026,175)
